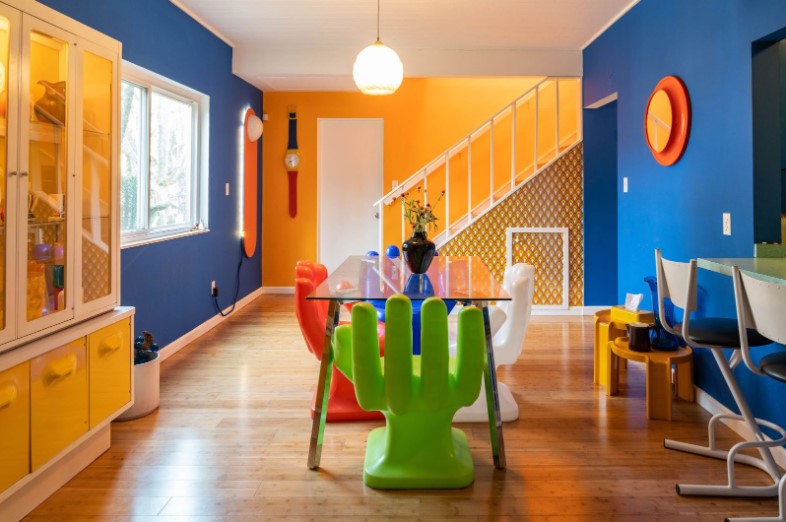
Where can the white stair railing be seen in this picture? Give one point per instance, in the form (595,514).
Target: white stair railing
(541,158)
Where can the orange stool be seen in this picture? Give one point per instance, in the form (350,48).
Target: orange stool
(610,324)
(658,363)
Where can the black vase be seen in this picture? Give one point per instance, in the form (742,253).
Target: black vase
(418,252)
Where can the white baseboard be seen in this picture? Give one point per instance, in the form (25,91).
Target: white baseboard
(286,290)
(573,310)
(182,341)
(709,403)
(592,310)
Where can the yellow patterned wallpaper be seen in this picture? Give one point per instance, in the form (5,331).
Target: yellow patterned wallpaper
(552,199)
(95,271)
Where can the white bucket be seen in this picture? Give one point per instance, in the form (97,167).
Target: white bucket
(146,390)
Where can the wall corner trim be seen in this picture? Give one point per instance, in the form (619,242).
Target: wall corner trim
(179,4)
(603,101)
(609,24)
(285,290)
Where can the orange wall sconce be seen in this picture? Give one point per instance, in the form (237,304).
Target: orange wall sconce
(253,131)
(667,120)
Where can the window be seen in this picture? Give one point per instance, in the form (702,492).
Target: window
(163,151)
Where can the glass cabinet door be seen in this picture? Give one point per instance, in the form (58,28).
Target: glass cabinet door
(10,22)
(96,236)
(44,182)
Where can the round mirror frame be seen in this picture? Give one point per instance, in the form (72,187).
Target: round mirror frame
(680,127)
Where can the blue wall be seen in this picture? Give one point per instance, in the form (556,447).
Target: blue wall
(169,282)
(600,205)
(679,208)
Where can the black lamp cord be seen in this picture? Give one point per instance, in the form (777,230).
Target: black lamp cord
(237,287)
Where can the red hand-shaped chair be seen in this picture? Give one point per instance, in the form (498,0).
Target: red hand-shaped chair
(312,316)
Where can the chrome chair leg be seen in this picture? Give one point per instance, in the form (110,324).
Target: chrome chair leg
(765,463)
(780,518)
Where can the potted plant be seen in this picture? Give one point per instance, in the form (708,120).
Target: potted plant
(418,250)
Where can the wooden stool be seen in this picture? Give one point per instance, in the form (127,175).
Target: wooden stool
(610,324)
(658,375)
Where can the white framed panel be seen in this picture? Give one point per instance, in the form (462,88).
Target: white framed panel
(565,257)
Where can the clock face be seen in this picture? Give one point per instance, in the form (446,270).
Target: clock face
(292,160)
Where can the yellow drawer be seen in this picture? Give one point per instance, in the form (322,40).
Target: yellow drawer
(14,424)
(59,400)
(110,370)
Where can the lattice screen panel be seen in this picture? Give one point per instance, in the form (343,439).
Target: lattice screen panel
(544,250)
(553,199)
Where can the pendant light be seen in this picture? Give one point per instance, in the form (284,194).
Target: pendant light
(378,70)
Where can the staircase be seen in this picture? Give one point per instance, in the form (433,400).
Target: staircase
(484,167)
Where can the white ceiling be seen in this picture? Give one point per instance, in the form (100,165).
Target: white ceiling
(310,45)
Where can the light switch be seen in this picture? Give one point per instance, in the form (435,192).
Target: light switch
(726,223)
(625,184)
(226,189)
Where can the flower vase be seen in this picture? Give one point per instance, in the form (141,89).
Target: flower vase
(418,252)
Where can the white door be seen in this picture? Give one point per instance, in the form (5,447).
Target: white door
(349,173)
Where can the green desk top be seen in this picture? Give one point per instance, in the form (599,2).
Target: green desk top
(770,268)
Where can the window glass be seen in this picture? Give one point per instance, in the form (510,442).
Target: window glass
(171,153)
(164,137)
(131,152)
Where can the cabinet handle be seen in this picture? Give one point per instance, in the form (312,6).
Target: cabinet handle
(7,395)
(12,174)
(61,369)
(110,344)
(23,174)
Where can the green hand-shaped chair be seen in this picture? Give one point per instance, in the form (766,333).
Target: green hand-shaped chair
(418,394)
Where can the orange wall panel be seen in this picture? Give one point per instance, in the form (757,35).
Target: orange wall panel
(422,119)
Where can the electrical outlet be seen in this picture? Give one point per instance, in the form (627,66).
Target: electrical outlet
(213,288)
(625,184)
(726,223)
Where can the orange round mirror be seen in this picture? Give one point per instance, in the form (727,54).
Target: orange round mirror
(667,120)
(659,121)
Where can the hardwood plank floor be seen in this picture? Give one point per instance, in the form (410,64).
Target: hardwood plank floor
(230,442)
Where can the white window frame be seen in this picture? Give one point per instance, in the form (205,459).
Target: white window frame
(155,82)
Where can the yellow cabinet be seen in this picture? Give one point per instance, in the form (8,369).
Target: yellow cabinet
(110,370)
(14,424)
(59,400)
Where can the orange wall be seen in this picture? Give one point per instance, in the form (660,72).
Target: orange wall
(423,118)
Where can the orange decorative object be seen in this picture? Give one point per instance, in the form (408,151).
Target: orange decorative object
(312,317)
(249,190)
(667,120)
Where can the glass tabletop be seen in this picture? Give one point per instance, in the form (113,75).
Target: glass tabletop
(361,278)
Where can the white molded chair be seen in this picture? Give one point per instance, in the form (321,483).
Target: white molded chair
(509,320)
(677,281)
(761,305)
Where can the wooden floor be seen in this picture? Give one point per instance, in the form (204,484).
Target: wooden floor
(230,442)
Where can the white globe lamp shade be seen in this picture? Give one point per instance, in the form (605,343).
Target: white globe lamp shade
(378,70)
(254,127)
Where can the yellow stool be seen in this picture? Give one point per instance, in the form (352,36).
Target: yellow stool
(659,391)
(610,324)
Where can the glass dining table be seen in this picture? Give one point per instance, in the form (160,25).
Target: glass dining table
(373,278)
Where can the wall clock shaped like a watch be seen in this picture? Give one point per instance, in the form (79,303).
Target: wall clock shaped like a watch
(292,162)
